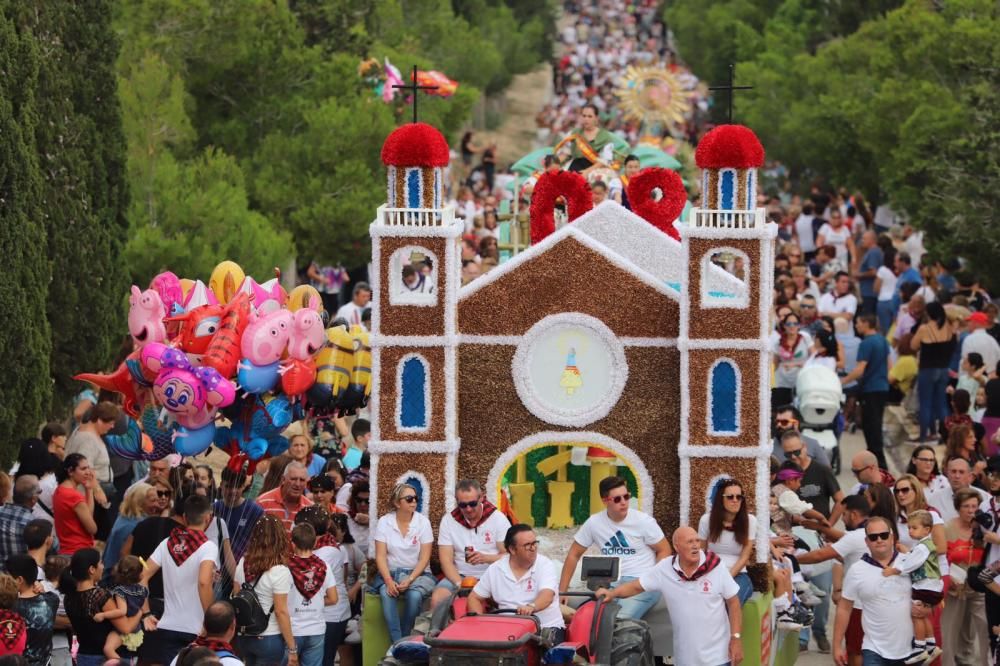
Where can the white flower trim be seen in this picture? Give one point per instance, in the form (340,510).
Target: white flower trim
(425,493)
(568,231)
(722,451)
(375,280)
(520,370)
(723,344)
(708,492)
(684,518)
(713,281)
(413,446)
(373,493)
(375,400)
(762,495)
(448,227)
(709,399)
(412,340)
(397,295)
(624,453)
(450,480)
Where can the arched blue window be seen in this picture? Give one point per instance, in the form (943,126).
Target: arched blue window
(724,394)
(413,389)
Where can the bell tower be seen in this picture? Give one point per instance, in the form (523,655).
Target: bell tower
(413,338)
(725,361)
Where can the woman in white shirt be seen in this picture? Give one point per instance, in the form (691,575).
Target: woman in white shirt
(265,567)
(403,543)
(885,286)
(728,531)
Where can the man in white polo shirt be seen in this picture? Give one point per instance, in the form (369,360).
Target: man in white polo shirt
(702,598)
(523,581)
(841,302)
(469,540)
(886,600)
(628,534)
(189,561)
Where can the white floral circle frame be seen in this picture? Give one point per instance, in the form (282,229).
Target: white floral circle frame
(528,392)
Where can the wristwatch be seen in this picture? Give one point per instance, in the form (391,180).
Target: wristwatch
(292,650)
(736,635)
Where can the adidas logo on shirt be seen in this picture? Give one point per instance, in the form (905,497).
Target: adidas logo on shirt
(617,545)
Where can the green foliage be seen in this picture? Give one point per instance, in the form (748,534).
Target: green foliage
(25,391)
(266,97)
(895,99)
(81,149)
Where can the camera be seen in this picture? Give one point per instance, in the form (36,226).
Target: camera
(984,519)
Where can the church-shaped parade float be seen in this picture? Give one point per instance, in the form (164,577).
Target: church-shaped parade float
(618,341)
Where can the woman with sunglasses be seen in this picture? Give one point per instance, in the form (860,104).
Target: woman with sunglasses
(924,466)
(964,609)
(403,543)
(728,530)
(790,353)
(910,497)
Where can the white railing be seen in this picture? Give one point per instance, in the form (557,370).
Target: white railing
(416,217)
(728,219)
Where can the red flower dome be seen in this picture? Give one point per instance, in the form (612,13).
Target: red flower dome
(415,145)
(733,146)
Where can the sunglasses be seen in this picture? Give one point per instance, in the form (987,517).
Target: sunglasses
(857,472)
(878,536)
(793,454)
(807,307)
(468,505)
(902,491)
(163,493)
(620,498)
(734,497)
(410,499)
(791,323)
(362,500)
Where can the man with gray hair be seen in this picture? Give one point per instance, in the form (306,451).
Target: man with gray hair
(285,501)
(14,517)
(470,538)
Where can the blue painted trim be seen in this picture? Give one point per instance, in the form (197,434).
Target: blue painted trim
(413,188)
(724,395)
(727,189)
(412,401)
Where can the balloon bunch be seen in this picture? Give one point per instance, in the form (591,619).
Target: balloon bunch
(238,349)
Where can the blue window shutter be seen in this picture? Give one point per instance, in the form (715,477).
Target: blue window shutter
(413,188)
(727,187)
(413,404)
(724,394)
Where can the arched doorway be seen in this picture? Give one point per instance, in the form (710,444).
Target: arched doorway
(644,483)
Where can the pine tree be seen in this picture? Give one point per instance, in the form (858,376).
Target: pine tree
(81,149)
(25,390)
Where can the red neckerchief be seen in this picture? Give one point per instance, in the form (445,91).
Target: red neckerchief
(711,561)
(788,352)
(308,574)
(324,540)
(457,514)
(888,480)
(214,645)
(12,629)
(183,543)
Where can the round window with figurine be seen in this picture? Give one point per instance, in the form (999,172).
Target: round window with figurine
(570,369)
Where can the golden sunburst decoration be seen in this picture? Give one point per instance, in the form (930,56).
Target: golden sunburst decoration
(651,94)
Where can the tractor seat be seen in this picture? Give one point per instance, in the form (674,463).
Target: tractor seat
(578,635)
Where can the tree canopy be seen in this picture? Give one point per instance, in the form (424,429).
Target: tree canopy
(895,99)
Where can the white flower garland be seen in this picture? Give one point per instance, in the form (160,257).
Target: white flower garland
(719,280)
(413,446)
(428,409)
(709,399)
(523,360)
(626,454)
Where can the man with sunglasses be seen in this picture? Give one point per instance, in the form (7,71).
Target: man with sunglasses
(628,534)
(787,417)
(524,581)
(888,629)
(470,538)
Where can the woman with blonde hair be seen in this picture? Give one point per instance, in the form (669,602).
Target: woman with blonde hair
(910,497)
(403,543)
(265,566)
(141,502)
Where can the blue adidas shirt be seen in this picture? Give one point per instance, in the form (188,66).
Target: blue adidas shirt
(630,540)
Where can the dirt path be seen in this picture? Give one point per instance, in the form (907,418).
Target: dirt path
(525,97)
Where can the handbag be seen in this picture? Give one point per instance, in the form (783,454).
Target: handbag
(975,571)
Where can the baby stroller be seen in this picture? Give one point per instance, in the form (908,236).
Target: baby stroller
(818,395)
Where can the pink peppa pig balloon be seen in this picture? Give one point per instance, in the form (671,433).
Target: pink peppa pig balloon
(145,317)
(262,345)
(308,334)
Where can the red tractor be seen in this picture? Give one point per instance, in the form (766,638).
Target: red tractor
(594,635)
